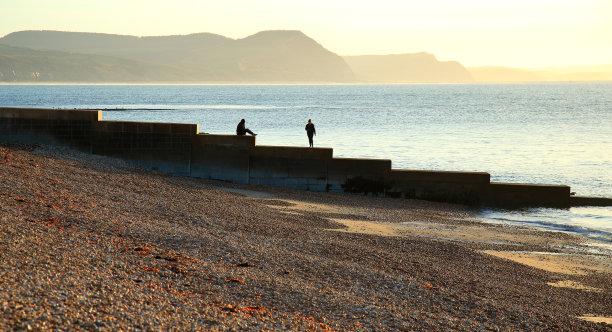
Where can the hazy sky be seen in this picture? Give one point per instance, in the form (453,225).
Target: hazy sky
(522,33)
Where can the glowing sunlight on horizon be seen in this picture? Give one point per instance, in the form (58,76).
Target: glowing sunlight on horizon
(518,33)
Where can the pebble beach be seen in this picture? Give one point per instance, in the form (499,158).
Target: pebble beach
(92,243)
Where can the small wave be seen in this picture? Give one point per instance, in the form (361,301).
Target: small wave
(135,109)
(121,108)
(541,223)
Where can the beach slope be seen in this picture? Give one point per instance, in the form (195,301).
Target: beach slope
(90,242)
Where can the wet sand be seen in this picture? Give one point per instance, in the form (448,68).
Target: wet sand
(92,243)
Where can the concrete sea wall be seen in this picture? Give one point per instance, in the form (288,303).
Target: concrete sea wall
(180,149)
(73,128)
(161,146)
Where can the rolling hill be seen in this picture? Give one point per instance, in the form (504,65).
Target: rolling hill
(269,56)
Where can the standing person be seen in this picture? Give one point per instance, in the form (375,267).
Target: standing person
(310,131)
(242,130)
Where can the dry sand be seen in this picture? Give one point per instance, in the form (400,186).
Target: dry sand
(91,243)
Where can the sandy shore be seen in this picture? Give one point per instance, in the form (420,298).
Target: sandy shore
(91,243)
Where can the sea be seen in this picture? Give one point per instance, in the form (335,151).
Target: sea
(541,133)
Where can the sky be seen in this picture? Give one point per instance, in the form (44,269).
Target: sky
(514,33)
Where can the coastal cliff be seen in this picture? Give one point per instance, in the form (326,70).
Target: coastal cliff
(407,68)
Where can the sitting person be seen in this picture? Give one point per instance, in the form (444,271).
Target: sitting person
(242,130)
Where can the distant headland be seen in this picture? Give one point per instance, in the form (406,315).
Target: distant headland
(280,56)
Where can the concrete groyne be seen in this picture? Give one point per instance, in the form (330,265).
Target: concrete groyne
(180,149)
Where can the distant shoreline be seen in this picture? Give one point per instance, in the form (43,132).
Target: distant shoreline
(296,83)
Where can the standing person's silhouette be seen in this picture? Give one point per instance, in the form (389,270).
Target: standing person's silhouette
(242,130)
(310,131)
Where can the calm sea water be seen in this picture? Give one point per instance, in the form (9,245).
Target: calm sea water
(551,133)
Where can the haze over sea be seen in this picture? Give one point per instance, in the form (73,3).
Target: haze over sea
(550,133)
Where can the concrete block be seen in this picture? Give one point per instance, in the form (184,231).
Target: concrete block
(47,126)
(373,168)
(73,115)
(292,152)
(231,140)
(520,194)
(441,186)
(590,201)
(288,167)
(146,128)
(178,164)
(108,126)
(368,173)
(184,128)
(417,176)
(225,162)
(148,145)
(24,113)
(461,193)
(294,169)
(129,127)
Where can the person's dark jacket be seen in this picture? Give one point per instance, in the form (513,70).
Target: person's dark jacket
(310,129)
(241,129)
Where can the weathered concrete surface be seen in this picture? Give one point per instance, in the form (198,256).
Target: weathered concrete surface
(590,201)
(441,176)
(519,194)
(290,167)
(370,173)
(458,187)
(56,127)
(160,146)
(221,157)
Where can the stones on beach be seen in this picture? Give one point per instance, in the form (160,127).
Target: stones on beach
(112,247)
